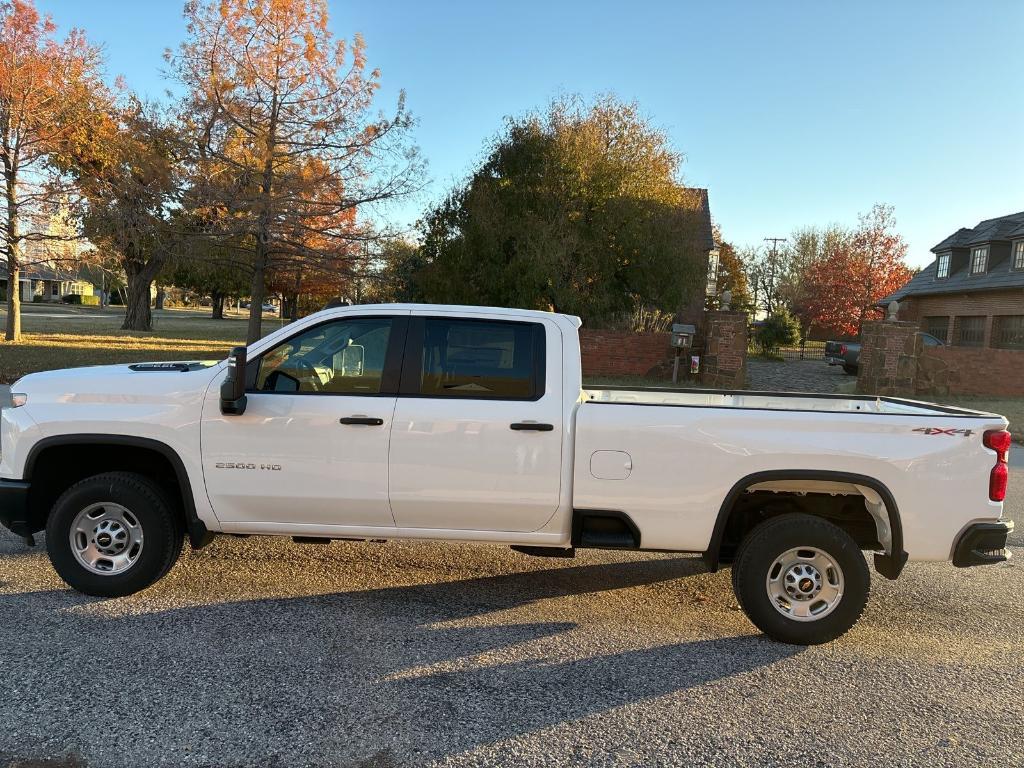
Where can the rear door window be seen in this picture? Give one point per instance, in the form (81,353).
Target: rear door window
(482,359)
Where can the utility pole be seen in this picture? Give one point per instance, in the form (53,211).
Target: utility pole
(769,288)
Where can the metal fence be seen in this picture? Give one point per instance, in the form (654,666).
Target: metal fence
(811,350)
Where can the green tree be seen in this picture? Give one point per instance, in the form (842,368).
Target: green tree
(579,209)
(776,331)
(209,269)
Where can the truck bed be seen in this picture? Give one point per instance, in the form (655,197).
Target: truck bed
(774,401)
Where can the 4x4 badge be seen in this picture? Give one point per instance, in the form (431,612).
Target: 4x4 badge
(942,431)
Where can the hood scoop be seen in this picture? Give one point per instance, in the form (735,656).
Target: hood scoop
(178,367)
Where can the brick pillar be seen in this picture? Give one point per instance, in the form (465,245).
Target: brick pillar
(888,358)
(724,364)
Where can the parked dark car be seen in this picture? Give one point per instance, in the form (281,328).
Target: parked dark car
(847,353)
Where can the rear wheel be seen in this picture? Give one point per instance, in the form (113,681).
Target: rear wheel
(801,579)
(850,370)
(113,534)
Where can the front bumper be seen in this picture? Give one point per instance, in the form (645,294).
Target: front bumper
(14,506)
(983,544)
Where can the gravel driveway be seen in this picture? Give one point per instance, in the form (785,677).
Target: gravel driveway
(260,652)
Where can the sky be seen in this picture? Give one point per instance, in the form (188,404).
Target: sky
(792,113)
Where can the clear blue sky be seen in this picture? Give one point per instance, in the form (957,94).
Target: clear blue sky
(790,113)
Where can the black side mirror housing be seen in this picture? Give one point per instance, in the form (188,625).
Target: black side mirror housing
(232,390)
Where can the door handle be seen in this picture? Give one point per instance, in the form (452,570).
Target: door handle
(531,426)
(369,421)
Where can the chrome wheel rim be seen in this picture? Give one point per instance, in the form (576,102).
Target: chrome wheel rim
(106,538)
(805,584)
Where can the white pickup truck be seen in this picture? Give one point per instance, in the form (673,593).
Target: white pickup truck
(470,424)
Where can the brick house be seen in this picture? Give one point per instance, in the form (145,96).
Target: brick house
(972,295)
(704,236)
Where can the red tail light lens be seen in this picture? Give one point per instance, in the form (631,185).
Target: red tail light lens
(998,440)
(842,350)
(997,482)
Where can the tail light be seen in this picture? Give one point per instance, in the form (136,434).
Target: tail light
(842,350)
(998,440)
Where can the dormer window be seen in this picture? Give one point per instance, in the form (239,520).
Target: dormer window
(942,265)
(979,260)
(1018,255)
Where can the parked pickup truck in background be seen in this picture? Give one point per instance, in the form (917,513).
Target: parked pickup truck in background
(471,424)
(847,353)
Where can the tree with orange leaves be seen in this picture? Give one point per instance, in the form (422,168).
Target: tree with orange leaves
(285,148)
(843,286)
(46,86)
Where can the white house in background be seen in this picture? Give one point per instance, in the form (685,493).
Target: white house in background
(50,285)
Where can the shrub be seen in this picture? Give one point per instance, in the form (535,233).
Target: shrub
(777,331)
(37,299)
(88,301)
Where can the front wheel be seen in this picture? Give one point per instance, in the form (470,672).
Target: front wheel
(113,534)
(801,579)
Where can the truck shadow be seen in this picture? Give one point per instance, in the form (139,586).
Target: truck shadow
(348,675)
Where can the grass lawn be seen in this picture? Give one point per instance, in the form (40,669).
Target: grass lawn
(62,337)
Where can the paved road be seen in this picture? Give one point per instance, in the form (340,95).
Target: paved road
(259,652)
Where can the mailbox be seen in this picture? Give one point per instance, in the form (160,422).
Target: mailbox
(682,335)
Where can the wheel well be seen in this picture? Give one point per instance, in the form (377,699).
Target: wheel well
(56,468)
(856,509)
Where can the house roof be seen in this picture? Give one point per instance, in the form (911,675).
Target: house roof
(999,277)
(997,230)
(40,272)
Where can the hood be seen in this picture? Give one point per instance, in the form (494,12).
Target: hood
(156,379)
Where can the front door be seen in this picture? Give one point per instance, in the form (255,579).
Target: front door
(477,437)
(312,446)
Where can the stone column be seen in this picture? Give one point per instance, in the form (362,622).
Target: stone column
(888,358)
(724,364)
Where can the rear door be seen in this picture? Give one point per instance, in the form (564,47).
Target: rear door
(476,442)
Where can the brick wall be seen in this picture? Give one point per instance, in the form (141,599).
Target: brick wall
(623,353)
(724,363)
(985,303)
(970,371)
(894,361)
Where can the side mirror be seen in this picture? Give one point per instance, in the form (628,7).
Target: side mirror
(232,390)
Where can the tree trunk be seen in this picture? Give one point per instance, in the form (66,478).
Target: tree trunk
(290,307)
(13,330)
(217,299)
(137,315)
(255,329)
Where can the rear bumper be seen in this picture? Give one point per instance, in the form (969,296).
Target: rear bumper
(14,506)
(983,544)
(834,360)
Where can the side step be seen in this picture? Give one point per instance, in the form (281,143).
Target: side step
(545,551)
(599,529)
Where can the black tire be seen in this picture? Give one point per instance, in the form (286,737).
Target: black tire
(767,544)
(850,370)
(147,504)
